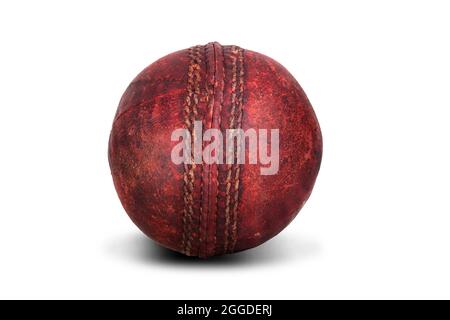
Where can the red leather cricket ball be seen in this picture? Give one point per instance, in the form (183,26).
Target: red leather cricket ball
(207,209)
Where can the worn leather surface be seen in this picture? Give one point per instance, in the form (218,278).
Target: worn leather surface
(212,209)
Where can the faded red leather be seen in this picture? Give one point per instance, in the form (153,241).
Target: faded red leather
(208,210)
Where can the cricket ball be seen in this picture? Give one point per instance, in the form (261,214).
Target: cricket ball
(214,149)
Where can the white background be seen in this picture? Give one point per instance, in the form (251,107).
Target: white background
(377,224)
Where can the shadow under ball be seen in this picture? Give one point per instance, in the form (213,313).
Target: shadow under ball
(212,209)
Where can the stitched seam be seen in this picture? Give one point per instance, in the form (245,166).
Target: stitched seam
(238,151)
(190,112)
(212,103)
(187,210)
(194,137)
(201,230)
(230,166)
(221,129)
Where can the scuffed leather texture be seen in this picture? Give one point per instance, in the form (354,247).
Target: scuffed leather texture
(212,209)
